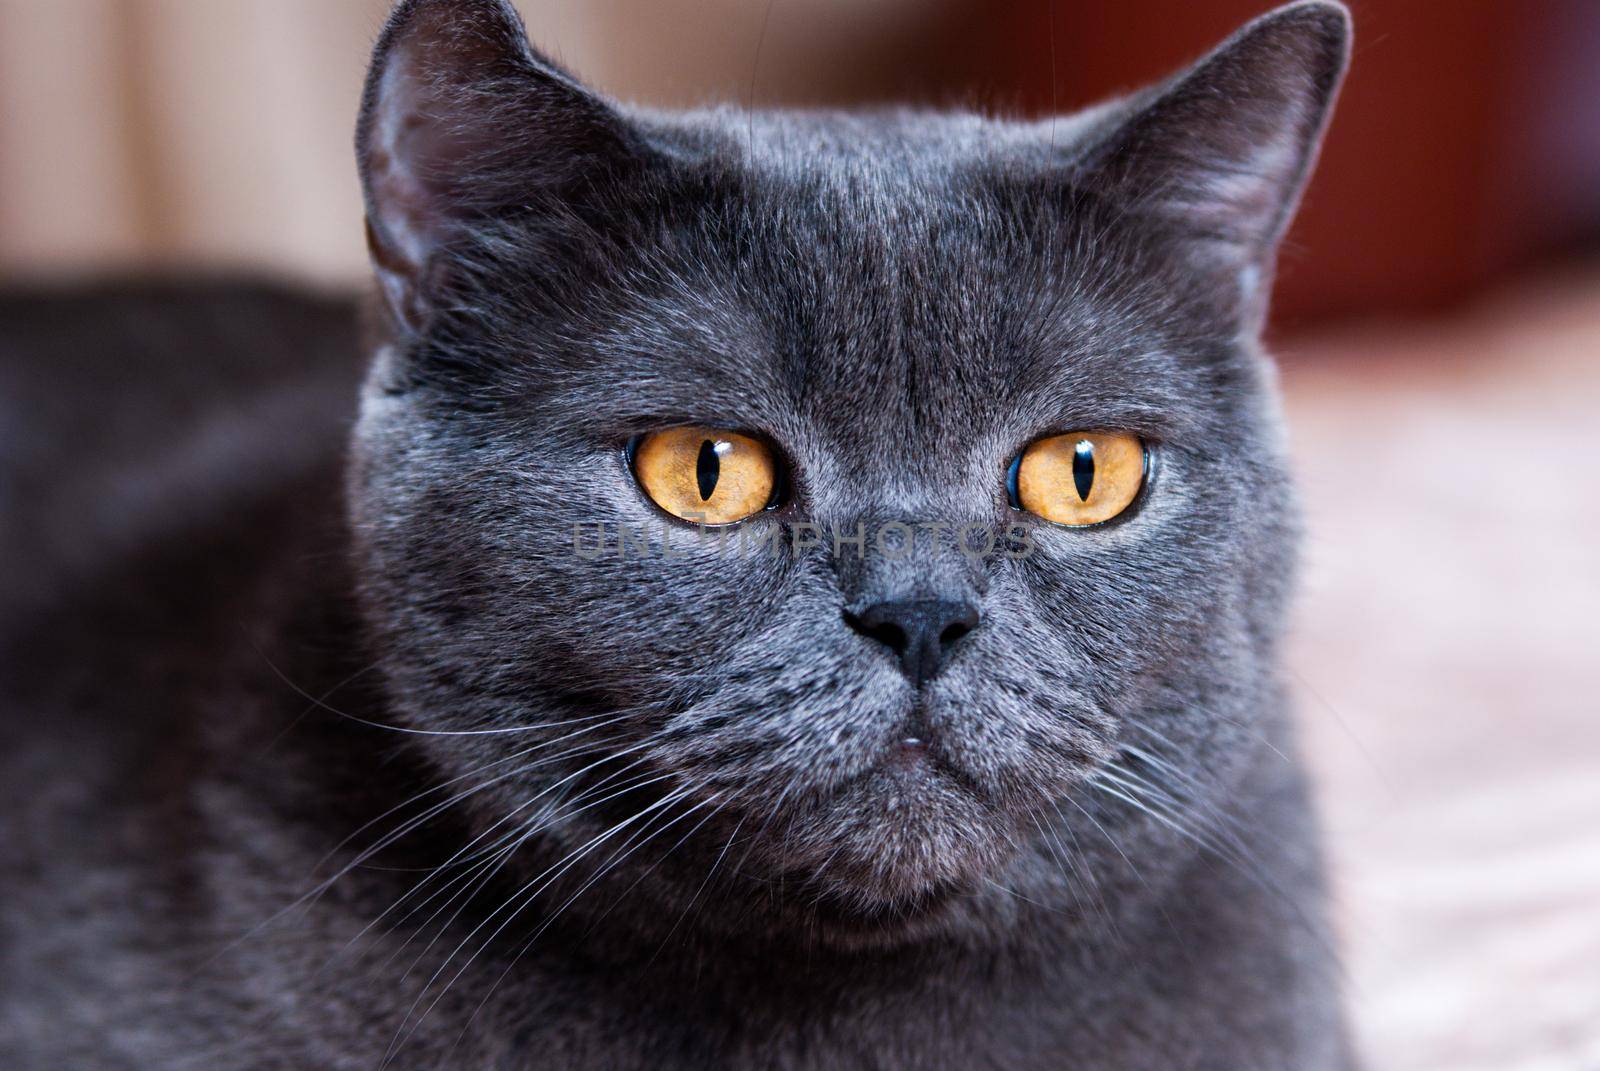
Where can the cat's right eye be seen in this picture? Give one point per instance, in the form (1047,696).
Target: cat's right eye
(706,475)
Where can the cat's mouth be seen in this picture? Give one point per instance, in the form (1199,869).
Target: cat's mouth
(872,827)
(914,761)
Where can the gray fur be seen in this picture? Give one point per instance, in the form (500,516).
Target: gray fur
(1107,862)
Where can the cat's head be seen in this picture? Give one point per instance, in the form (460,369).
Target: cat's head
(829,333)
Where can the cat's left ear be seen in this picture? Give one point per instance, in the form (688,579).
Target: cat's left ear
(1221,153)
(462,121)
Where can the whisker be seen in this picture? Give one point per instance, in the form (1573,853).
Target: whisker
(531,831)
(497,854)
(693,900)
(322,705)
(626,850)
(521,898)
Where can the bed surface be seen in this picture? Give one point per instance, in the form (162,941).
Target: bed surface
(1446,666)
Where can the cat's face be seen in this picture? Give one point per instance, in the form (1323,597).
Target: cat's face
(895,309)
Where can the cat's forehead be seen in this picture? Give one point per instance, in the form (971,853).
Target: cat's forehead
(904,265)
(924,222)
(894,142)
(876,324)
(880,281)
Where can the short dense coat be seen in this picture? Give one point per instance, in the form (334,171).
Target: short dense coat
(325,760)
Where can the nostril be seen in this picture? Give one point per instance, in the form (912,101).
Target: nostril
(876,625)
(962,618)
(889,634)
(953,633)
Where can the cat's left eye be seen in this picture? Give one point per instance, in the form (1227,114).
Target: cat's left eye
(1081,478)
(706,475)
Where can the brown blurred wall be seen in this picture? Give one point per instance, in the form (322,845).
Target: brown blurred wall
(1466,143)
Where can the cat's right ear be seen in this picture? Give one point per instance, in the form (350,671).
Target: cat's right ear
(462,122)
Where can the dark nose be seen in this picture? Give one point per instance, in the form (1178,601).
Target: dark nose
(920,631)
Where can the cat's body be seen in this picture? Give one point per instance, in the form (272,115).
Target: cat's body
(253,659)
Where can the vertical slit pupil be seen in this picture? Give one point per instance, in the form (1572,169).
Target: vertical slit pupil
(1083,468)
(707,467)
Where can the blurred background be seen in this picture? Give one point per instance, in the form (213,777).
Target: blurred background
(1438,325)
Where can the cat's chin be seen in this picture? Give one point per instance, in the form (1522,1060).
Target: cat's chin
(896,848)
(849,918)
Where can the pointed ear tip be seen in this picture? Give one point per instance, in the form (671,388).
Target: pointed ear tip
(409,17)
(1329,20)
(405,10)
(437,29)
(1317,31)
(405,14)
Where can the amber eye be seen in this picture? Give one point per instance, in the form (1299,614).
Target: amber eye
(706,475)
(1081,478)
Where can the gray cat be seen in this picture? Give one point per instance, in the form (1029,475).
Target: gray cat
(804,591)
